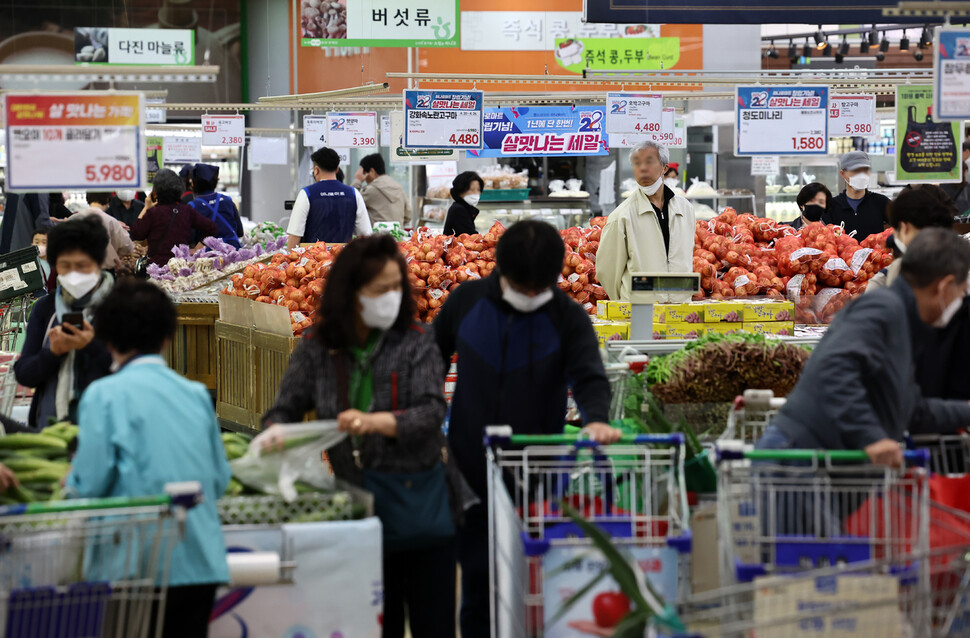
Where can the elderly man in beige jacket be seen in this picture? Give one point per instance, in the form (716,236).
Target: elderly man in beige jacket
(652,231)
(385,199)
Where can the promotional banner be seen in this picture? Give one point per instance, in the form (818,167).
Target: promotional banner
(781,120)
(155,153)
(443,119)
(853,115)
(538,30)
(179,149)
(544,131)
(74,141)
(379,23)
(163,47)
(951,73)
(926,151)
(351,130)
(223,130)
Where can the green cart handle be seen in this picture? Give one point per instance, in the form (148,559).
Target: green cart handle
(85,505)
(578,440)
(919,458)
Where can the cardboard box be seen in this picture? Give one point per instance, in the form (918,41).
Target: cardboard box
(613,310)
(765,310)
(683,330)
(678,313)
(610,331)
(723,311)
(723,328)
(786,328)
(704,567)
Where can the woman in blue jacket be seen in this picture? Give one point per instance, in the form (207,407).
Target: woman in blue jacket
(145,426)
(215,206)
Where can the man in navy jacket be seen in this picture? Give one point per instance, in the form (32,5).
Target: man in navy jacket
(522,344)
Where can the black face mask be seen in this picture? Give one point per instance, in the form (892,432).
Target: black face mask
(813,212)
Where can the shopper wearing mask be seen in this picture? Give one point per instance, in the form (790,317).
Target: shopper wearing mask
(125,208)
(60,360)
(652,231)
(119,241)
(368,365)
(166,222)
(857,208)
(40,240)
(466,190)
(522,344)
(812,200)
(672,176)
(960,193)
(871,348)
(218,208)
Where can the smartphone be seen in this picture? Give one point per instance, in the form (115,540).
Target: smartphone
(76,319)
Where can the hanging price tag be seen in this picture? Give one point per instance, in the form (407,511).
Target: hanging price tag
(634,113)
(443,119)
(852,115)
(351,130)
(385,130)
(314,130)
(680,133)
(182,150)
(223,130)
(781,120)
(666,135)
(765,165)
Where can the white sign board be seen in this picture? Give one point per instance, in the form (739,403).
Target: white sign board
(852,115)
(951,74)
(765,165)
(267,150)
(443,119)
(399,153)
(781,120)
(351,130)
(634,113)
(314,130)
(385,130)
(182,150)
(669,134)
(538,30)
(680,133)
(223,130)
(161,47)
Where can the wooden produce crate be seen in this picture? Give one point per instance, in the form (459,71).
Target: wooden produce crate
(193,350)
(272,356)
(236,382)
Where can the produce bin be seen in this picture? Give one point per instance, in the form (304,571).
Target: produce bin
(272,355)
(236,371)
(193,350)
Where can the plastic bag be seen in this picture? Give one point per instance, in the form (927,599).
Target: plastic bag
(301,460)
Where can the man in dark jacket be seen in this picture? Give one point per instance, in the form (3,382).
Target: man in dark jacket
(864,364)
(857,208)
(521,344)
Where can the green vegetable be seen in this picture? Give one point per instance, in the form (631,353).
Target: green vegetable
(22,440)
(18,464)
(235,488)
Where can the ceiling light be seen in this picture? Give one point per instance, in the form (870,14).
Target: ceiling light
(873,36)
(925,38)
(918,55)
(864,46)
(880,56)
(884,45)
(827,49)
(772,52)
(807,49)
(904,42)
(792,50)
(819,37)
(839,58)
(844,47)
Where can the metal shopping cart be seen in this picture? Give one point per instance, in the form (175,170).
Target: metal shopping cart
(949,453)
(751,415)
(89,568)
(633,490)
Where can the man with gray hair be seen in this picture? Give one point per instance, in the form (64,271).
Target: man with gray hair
(652,231)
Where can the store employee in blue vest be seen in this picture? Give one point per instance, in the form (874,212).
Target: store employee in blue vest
(215,206)
(328,210)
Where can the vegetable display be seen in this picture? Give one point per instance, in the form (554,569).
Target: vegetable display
(39,461)
(189,270)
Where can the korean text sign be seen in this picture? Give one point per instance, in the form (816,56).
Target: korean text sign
(443,119)
(544,131)
(168,47)
(925,150)
(853,115)
(223,130)
(96,138)
(951,74)
(379,23)
(351,130)
(781,120)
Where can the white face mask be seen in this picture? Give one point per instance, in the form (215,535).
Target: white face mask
(523,302)
(126,196)
(966,165)
(859,182)
(671,182)
(472,198)
(42,250)
(900,244)
(653,188)
(380,312)
(948,313)
(78,284)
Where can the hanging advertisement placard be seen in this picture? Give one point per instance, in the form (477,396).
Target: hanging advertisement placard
(633,113)
(96,138)
(155,154)
(781,120)
(379,23)
(399,153)
(385,130)
(926,150)
(182,149)
(544,131)
(314,130)
(223,130)
(852,116)
(352,130)
(443,119)
(951,74)
(162,47)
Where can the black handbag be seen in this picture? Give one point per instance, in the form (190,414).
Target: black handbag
(414,507)
(928,147)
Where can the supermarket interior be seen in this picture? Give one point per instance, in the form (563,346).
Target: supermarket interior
(484,319)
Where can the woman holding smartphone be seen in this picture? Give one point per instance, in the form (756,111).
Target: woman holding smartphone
(61,355)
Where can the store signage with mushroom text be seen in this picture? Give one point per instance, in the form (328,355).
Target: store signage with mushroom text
(351,130)
(443,119)
(223,130)
(544,131)
(951,74)
(852,116)
(158,47)
(781,120)
(97,140)
(379,23)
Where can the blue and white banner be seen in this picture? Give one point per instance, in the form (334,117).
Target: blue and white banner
(781,120)
(544,131)
(443,119)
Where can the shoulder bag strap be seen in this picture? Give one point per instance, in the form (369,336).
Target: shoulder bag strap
(216,216)
(175,211)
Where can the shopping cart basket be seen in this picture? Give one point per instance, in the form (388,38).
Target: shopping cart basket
(949,453)
(751,415)
(89,568)
(633,490)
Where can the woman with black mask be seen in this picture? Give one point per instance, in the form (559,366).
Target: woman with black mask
(812,200)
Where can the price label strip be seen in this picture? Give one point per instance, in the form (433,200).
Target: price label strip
(781,120)
(96,138)
(634,113)
(443,119)
(223,130)
(852,115)
(314,131)
(351,130)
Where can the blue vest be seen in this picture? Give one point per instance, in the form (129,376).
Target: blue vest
(333,212)
(220,209)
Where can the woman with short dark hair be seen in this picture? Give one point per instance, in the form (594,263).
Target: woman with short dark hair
(813,200)
(466,190)
(378,373)
(166,221)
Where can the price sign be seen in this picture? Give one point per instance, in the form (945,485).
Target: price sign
(951,73)
(634,113)
(781,120)
(765,165)
(443,119)
(344,154)
(182,150)
(680,133)
(852,115)
(314,130)
(667,134)
(351,130)
(385,130)
(74,141)
(223,130)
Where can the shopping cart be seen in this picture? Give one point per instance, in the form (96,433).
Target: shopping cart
(751,415)
(90,568)
(949,453)
(633,490)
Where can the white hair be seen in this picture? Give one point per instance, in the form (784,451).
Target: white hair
(662,151)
